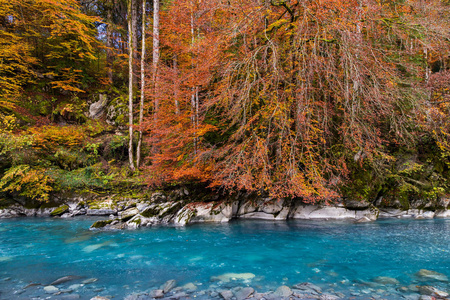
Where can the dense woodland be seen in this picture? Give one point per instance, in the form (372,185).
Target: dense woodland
(313,99)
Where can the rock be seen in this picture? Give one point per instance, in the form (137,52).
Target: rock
(128,214)
(227,277)
(99,298)
(308,287)
(364,220)
(89,280)
(179,295)
(391,213)
(432,291)
(189,287)
(428,214)
(75,286)
(204,212)
(244,293)
(426,297)
(50,289)
(308,212)
(355,204)
(142,206)
(100,212)
(226,294)
(442,213)
(64,279)
(386,280)
(283,291)
(98,109)
(427,275)
(327,296)
(168,286)
(60,210)
(71,297)
(156,294)
(101,224)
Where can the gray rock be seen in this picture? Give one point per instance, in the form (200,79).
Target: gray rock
(100,212)
(89,280)
(426,297)
(156,294)
(64,279)
(386,280)
(445,213)
(50,289)
(227,294)
(355,204)
(283,291)
(128,214)
(179,295)
(71,297)
(424,274)
(432,291)
(98,109)
(327,296)
(308,287)
(244,293)
(168,286)
(189,287)
(99,298)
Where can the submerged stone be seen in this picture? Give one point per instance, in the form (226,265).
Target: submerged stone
(432,291)
(168,286)
(50,289)
(385,280)
(244,293)
(227,277)
(64,279)
(428,274)
(226,294)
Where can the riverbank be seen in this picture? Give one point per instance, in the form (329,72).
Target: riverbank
(181,207)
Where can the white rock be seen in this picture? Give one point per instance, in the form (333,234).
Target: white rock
(50,289)
(227,277)
(443,213)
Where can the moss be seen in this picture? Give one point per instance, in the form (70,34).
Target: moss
(101,224)
(137,221)
(150,212)
(60,210)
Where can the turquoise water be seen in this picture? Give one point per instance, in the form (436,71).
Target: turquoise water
(339,256)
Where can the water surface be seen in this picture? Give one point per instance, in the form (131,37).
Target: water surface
(338,256)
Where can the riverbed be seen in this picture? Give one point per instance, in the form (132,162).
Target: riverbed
(386,259)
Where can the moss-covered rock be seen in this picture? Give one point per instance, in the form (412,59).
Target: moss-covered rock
(101,223)
(60,210)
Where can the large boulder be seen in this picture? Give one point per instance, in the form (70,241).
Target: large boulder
(198,212)
(98,109)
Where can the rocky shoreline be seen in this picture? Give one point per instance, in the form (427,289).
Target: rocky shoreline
(179,209)
(241,286)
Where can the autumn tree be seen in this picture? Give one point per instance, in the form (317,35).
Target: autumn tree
(292,98)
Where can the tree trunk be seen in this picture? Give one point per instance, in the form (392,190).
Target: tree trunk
(130,83)
(109,40)
(155,53)
(134,24)
(176,83)
(141,104)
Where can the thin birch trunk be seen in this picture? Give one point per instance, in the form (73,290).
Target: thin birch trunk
(141,104)
(155,54)
(176,83)
(130,85)
(109,41)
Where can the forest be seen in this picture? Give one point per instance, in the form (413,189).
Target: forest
(316,99)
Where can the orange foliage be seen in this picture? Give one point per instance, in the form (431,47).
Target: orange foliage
(281,96)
